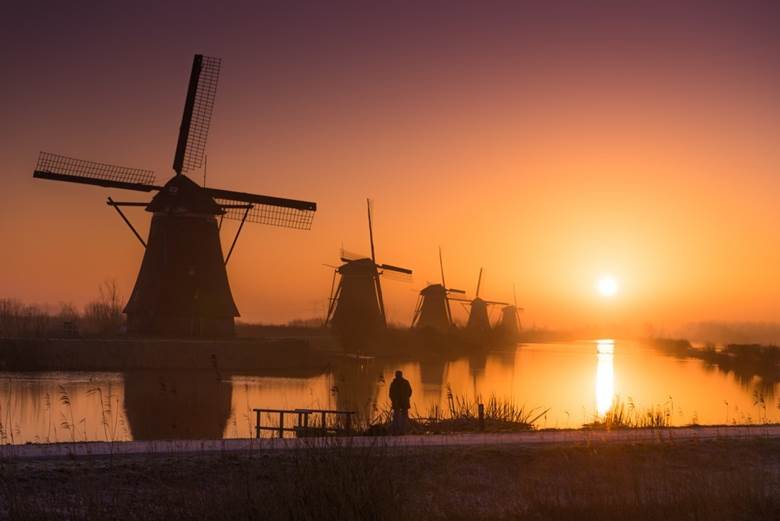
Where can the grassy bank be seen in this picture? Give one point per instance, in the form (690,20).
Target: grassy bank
(729,479)
(126,354)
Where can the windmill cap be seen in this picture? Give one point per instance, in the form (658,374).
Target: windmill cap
(433,289)
(181,194)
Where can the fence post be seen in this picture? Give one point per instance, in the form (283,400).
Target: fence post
(324,424)
(481,408)
(257,424)
(281,424)
(349,423)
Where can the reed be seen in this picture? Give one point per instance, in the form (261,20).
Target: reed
(626,415)
(461,414)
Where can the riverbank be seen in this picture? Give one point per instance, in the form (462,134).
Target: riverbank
(551,437)
(129,354)
(595,476)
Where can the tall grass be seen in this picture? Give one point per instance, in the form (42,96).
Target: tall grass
(626,415)
(461,414)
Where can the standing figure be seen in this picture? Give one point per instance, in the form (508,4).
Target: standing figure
(400,392)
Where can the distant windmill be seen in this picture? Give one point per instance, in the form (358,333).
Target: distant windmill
(433,305)
(182,287)
(509,324)
(478,315)
(356,308)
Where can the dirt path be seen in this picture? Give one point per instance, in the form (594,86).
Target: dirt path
(534,438)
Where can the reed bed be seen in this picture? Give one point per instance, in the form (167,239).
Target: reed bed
(626,415)
(461,414)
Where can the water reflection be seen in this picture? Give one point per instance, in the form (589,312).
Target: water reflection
(171,405)
(605,375)
(205,404)
(60,407)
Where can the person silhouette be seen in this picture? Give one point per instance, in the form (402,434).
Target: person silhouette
(400,392)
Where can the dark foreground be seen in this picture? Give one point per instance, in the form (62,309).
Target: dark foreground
(718,479)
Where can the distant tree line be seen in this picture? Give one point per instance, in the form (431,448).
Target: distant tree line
(100,317)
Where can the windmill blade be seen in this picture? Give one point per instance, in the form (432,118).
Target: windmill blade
(55,167)
(496,303)
(196,118)
(371,229)
(452,290)
(274,211)
(441,266)
(479,281)
(456,299)
(397,276)
(390,267)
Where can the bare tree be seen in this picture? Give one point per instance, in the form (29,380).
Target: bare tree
(103,316)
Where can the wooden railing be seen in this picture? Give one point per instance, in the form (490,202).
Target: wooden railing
(306,422)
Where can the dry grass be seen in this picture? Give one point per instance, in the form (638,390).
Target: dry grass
(462,415)
(626,415)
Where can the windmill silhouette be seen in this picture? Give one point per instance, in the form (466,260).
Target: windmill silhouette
(509,323)
(433,305)
(479,321)
(182,287)
(356,307)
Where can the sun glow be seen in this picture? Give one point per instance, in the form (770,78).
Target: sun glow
(607,286)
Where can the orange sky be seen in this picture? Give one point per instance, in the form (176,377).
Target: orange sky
(547,145)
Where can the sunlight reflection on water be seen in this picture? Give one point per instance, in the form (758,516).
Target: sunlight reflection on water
(605,375)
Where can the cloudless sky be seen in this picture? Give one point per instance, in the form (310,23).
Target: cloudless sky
(549,142)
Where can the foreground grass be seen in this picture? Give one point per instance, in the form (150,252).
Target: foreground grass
(728,479)
(461,414)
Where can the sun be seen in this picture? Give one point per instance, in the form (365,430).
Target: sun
(607,286)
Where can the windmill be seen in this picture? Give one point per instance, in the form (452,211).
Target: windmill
(182,287)
(478,315)
(433,305)
(509,324)
(356,308)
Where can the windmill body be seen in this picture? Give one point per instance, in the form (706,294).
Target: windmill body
(433,309)
(433,306)
(509,324)
(357,311)
(358,308)
(478,316)
(479,321)
(182,287)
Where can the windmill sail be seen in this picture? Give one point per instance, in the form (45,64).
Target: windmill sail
(196,118)
(274,211)
(390,267)
(55,167)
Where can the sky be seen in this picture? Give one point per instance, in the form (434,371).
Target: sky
(550,143)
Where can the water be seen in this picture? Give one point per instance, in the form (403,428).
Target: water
(577,381)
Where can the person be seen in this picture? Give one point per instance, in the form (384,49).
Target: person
(400,392)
